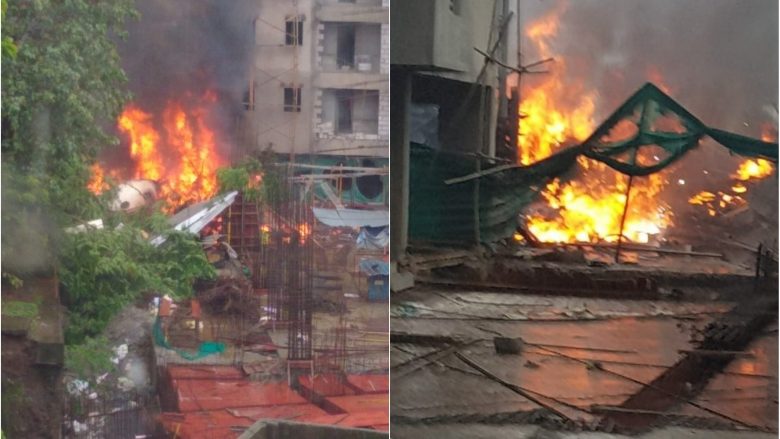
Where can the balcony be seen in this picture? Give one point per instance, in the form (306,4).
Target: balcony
(357,11)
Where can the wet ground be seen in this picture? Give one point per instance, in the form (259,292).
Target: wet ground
(433,388)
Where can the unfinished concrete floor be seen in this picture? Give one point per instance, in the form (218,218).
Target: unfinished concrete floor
(436,394)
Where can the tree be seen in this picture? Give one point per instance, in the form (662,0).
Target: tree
(62,86)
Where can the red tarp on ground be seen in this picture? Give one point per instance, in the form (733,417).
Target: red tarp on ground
(358,403)
(197,395)
(204,373)
(324,385)
(204,425)
(373,419)
(229,423)
(369,383)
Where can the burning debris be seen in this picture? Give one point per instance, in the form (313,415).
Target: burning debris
(595,203)
(176,149)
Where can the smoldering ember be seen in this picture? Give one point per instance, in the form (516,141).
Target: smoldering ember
(584,219)
(195,219)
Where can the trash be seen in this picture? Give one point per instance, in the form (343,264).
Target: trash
(594,365)
(120,352)
(93,395)
(90,225)
(405,310)
(79,428)
(77,386)
(351,295)
(506,345)
(531,365)
(125,384)
(101,378)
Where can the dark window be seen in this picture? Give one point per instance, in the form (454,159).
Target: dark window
(371,186)
(344,100)
(345,51)
(293,30)
(292,99)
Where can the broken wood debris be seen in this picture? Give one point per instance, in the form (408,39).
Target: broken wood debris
(716,353)
(639,248)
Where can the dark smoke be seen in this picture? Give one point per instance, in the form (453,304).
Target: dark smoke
(720,57)
(178,49)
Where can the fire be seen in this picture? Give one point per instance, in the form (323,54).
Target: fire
(543,127)
(749,171)
(715,203)
(754,170)
(177,149)
(97,184)
(144,141)
(555,112)
(304,230)
(99,180)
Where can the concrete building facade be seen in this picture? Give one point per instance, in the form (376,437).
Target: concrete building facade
(319,82)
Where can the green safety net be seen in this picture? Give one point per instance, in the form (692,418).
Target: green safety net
(205,349)
(445,213)
(351,194)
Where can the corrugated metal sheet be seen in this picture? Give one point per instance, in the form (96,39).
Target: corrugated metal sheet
(293,412)
(205,373)
(324,385)
(204,425)
(218,402)
(196,394)
(229,423)
(374,419)
(369,383)
(358,403)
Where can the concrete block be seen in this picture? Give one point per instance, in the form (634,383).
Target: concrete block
(400,281)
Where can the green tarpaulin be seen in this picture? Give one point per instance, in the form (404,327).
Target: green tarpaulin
(204,350)
(444,213)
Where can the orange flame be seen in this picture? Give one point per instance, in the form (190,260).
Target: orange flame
(554,112)
(754,170)
(182,156)
(144,142)
(749,171)
(97,183)
(304,230)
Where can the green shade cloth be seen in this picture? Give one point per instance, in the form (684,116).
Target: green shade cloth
(441,213)
(204,350)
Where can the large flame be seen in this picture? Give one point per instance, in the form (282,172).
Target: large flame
(176,148)
(555,111)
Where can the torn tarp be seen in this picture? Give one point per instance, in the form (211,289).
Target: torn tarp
(375,267)
(373,238)
(194,218)
(352,217)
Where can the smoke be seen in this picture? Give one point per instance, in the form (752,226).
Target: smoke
(718,57)
(180,49)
